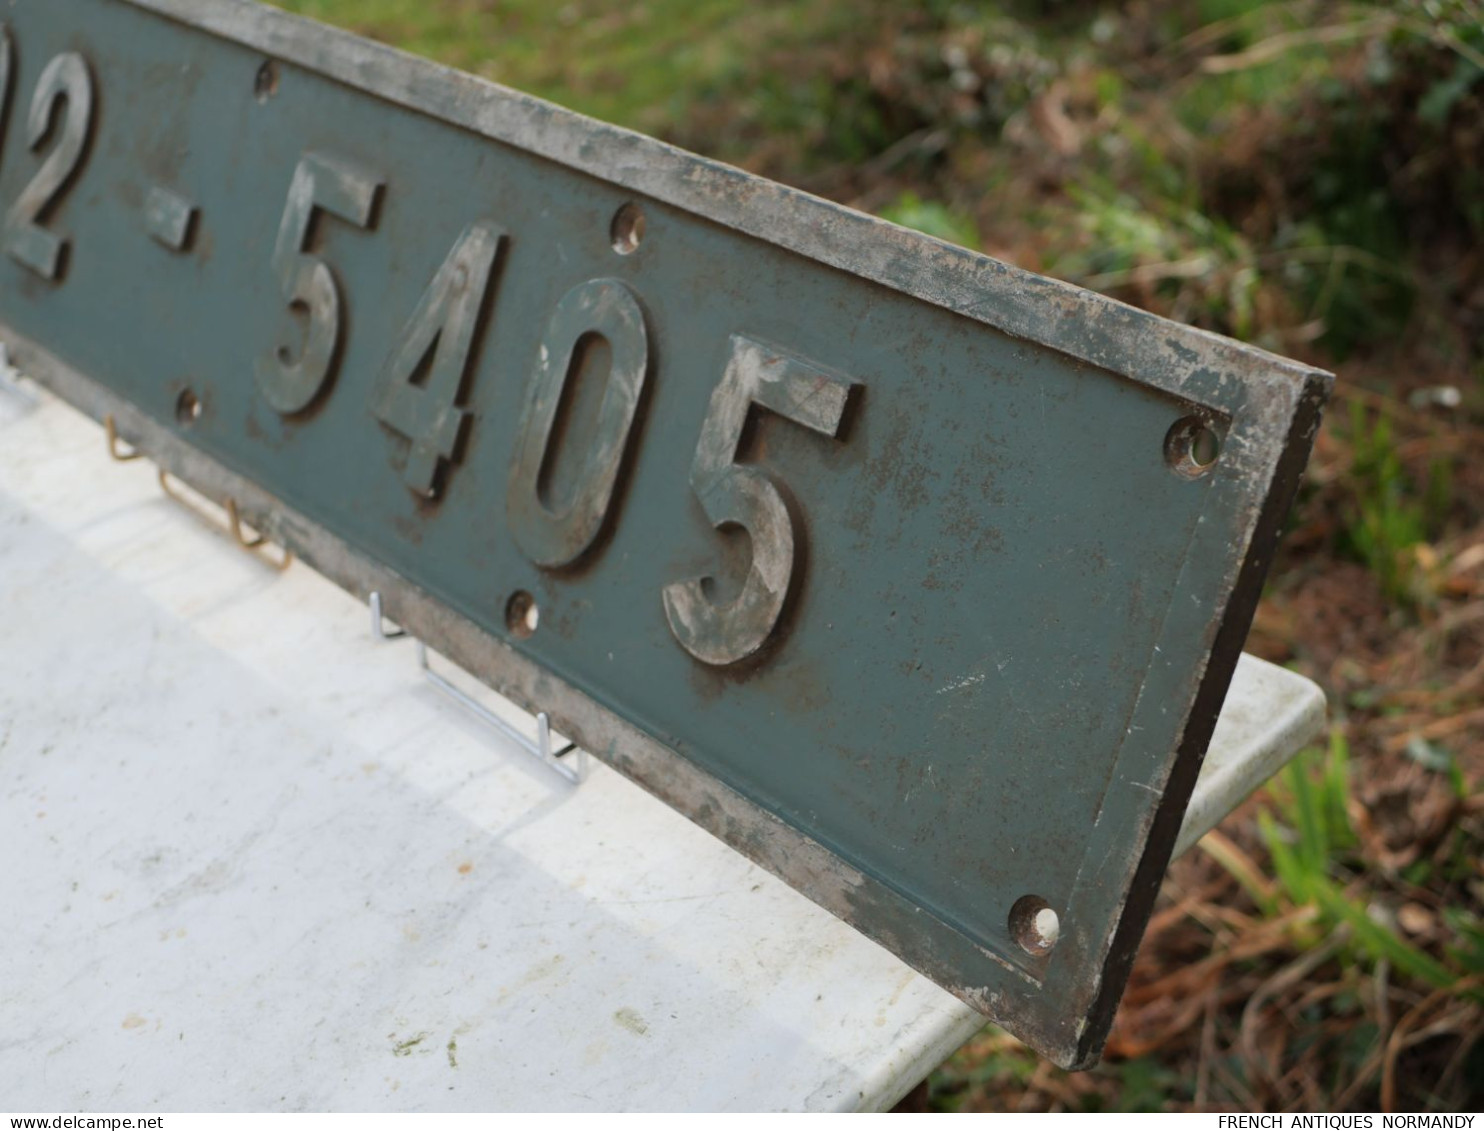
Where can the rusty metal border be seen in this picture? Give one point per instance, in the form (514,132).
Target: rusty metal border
(1280,405)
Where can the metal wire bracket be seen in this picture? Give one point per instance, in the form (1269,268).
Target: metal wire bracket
(378,622)
(14,383)
(574,768)
(253,545)
(114,450)
(8,372)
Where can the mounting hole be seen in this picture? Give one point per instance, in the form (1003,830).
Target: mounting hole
(1192,447)
(627,229)
(187,408)
(521,614)
(265,82)
(1034,925)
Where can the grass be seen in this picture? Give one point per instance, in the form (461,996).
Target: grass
(636,65)
(1312,847)
(1391,514)
(1304,174)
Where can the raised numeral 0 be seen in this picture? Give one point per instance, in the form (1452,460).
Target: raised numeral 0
(68,80)
(736,495)
(444,324)
(320,184)
(608,309)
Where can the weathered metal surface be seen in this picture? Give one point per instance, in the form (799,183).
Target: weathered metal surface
(905,572)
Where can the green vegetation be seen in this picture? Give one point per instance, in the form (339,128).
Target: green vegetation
(1313,854)
(1389,514)
(1304,174)
(911,211)
(635,65)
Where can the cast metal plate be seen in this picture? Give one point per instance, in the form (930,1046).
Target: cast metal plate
(887,563)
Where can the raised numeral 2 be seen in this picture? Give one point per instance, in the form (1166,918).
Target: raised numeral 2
(66,79)
(736,495)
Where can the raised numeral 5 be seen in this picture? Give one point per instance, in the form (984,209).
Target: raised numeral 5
(65,80)
(331,185)
(737,495)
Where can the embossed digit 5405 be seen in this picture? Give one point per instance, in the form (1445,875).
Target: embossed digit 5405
(421,389)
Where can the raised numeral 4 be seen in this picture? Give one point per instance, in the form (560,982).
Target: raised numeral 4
(428,413)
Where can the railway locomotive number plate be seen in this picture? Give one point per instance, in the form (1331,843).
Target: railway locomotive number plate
(917,578)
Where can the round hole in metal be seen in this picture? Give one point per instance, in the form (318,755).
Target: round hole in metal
(522,616)
(627,229)
(1035,925)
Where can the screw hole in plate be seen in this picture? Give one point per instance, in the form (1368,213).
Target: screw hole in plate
(265,82)
(627,229)
(1192,447)
(1034,925)
(187,408)
(522,616)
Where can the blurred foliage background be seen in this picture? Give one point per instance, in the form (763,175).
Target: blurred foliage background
(1303,174)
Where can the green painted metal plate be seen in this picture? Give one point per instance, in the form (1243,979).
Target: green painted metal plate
(906,572)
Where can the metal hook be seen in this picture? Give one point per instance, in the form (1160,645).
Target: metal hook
(233,524)
(114,450)
(378,622)
(236,523)
(8,372)
(574,771)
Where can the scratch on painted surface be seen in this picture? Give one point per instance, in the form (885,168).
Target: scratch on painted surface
(960,684)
